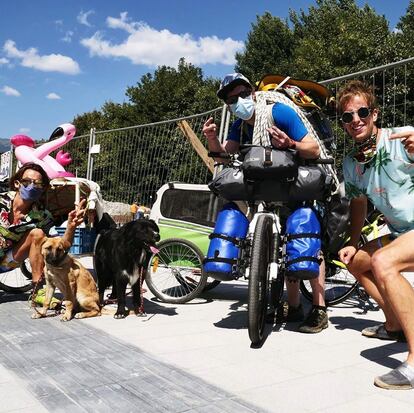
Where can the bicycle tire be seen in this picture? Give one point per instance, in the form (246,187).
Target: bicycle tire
(340,284)
(18,280)
(175,274)
(258,290)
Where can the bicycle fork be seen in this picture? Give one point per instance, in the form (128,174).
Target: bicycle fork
(276,275)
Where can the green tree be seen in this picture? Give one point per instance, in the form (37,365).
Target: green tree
(336,37)
(171,93)
(268,49)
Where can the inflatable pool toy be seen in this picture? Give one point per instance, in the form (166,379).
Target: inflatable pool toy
(26,152)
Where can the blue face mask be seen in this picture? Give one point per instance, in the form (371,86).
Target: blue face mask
(243,108)
(30,193)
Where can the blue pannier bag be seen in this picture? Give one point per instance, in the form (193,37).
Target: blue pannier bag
(303,246)
(223,251)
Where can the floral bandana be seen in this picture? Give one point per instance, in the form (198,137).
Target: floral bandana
(365,152)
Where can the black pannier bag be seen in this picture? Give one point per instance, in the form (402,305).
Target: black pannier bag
(262,162)
(311,183)
(336,217)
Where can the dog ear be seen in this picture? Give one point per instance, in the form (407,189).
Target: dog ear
(41,241)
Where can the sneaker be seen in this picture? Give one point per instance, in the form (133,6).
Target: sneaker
(379,331)
(315,322)
(295,314)
(39,299)
(401,378)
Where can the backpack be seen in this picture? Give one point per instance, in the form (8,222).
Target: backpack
(306,95)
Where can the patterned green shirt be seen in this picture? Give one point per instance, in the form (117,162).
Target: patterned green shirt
(387,181)
(10,234)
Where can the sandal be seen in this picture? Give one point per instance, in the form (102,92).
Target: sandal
(401,378)
(379,331)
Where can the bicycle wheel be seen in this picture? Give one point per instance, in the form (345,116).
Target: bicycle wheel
(18,280)
(175,274)
(259,278)
(339,282)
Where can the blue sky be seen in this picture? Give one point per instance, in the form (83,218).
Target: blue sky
(63,58)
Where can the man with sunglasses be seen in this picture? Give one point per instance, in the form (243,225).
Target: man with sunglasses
(381,168)
(288,132)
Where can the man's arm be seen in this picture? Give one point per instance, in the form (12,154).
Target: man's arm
(358,209)
(214,145)
(307,148)
(358,212)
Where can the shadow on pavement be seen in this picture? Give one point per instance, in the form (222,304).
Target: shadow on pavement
(382,354)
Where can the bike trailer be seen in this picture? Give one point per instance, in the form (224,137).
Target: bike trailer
(186,211)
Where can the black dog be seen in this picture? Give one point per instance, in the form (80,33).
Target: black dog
(121,257)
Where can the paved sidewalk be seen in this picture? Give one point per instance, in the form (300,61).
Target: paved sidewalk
(194,358)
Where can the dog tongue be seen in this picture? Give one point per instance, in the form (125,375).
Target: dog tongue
(154,250)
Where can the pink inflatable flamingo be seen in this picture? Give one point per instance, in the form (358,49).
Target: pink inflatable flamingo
(26,152)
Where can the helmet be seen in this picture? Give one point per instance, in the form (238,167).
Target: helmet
(229,82)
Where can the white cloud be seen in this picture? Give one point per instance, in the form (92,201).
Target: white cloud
(24,130)
(3,61)
(151,47)
(53,96)
(68,37)
(46,63)
(82,17)
(9,91)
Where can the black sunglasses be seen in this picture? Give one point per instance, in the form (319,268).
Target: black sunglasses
(362,112)
(234,98)
(36,183)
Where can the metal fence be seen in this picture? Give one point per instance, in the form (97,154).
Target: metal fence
(133,163)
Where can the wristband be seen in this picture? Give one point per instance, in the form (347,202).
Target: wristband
(292,144)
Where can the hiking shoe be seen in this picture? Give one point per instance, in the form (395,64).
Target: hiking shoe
(39,299)
(295,314)
(315,322)
(379,331)
(401,378)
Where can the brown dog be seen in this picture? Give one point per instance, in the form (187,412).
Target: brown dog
(71,277)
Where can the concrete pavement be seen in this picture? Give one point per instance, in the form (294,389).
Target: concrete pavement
(194,357)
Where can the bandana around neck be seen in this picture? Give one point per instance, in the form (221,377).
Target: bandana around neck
(366,151)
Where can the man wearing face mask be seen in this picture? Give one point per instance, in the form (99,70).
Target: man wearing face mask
(24,221)
(288,132)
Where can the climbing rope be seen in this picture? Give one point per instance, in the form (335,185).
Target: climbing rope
(264,119)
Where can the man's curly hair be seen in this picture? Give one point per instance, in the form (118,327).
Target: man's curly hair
(353,88)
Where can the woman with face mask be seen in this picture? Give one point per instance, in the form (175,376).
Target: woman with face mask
(23,219)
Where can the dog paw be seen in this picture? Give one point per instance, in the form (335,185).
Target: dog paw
(79,315)
(64,318)
(36,315)
(120,315)
(141,314)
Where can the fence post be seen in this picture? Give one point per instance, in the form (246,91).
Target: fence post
(89,169)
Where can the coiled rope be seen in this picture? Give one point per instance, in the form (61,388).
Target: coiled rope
(264,119)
